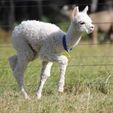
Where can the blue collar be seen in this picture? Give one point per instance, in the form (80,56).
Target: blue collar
(64,42)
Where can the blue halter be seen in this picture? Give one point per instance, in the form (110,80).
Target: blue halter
(64,42)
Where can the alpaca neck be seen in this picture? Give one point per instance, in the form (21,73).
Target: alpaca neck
(73,36)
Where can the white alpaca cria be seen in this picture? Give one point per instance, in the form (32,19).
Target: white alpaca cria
(33,39)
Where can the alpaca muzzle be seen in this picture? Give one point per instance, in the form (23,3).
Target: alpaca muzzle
(91,29)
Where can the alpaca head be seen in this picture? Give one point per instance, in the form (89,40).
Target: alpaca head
(82,21)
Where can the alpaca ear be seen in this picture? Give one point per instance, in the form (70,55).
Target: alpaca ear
(75,12)
(85,9)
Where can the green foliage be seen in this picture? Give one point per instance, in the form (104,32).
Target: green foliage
(64,25)
(45,19)
(88,89)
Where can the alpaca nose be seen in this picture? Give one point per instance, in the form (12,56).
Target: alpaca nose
(92,28)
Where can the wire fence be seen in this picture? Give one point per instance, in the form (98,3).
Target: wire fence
(80,44)
(45,3)
(70,66)
(87,56)
(95,23)
(57,3)
(73,57)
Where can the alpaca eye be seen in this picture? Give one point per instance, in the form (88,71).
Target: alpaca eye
(82,23)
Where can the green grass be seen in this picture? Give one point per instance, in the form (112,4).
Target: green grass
(88,89)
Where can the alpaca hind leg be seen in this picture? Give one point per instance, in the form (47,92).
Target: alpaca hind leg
(13,61)
(25,54)
(19,73)
(45,73)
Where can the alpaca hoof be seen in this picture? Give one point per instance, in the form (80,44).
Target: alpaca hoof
(61,90)
(27,97)
(38,96)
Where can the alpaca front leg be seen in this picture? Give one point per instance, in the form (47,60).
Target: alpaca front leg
(45,73)
(63,62)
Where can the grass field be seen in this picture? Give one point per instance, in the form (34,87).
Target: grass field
(88,89)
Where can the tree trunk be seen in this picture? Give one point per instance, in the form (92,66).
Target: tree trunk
(11,15)
(40,10)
